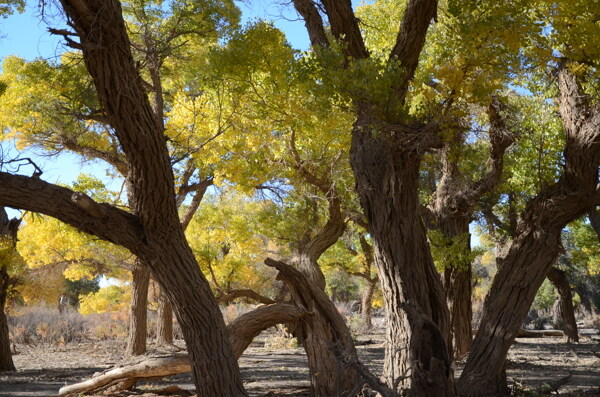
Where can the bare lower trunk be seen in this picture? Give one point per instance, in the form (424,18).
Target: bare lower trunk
(6,361)
(513,289)
(138,316)
(367,305)
(537,243)
(213,363)
(164,321)
(566,312)
(321,334)
(461,309)
(387,183)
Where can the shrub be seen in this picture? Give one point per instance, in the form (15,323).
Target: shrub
(40,325)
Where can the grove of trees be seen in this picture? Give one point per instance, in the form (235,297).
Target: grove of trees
(252,170)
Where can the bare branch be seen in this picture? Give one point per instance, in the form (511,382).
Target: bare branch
(313,22)
(344,26)
(411,39)
(33,194)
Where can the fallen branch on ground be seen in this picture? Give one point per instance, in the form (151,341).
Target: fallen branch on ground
(241,333)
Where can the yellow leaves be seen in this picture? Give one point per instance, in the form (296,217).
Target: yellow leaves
(113,298)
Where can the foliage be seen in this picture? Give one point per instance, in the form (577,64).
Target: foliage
(545,297)
(452,252)
(113,298)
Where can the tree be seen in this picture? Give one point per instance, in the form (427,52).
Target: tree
(152,231)
(10,264)
(385,154)
(536,244)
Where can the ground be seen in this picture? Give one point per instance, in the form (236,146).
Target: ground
(546,365)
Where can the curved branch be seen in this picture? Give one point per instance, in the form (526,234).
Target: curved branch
(244,293)
(501,139)
(33,194)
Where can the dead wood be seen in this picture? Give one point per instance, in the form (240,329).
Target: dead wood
(241,333)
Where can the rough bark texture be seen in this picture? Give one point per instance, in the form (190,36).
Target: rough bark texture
(138,326)
(107,55)
(164,320)
(566,312)
(387,183)
(536,244)
(385,157)
(452,210)
(319,333)
(8,236)
(241,333)
(6,361)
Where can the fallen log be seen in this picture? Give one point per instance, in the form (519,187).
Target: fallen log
(241,333)
(526,333)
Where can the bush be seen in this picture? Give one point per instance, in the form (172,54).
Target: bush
(40,325)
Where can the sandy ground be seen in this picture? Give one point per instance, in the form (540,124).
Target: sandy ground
(533,364)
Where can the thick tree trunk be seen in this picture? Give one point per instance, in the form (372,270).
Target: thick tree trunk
(566,312)
(537,243)
(138,316)
(319,334)
(458,288)
(8,240)
(387,182)
(367,305)
(6,361)
(459,293)
(164,321)
(159,241)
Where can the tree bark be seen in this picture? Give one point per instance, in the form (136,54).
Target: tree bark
(319,333)
(164,321)
(6,361)
(8,241)
(107,55)
(367,304)
(566,312)
(537,242)
(138,325)
(387,177)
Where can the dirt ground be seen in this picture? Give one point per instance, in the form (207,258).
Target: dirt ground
(538,364)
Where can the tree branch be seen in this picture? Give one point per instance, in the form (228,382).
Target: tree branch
(33,194)
(344,26)
(411,39)
(313,22)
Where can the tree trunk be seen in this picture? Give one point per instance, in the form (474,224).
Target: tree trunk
(8,240)
(321,334)
(387,182)
(367,305)
(566,312)
(459,292)
(164,321)
(159,240)
(6,361)
(537,242)
(458,286)
(138,325)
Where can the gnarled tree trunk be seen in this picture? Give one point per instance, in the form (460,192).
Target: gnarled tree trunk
(8,241)
(367,304)
(138,326)
(387,182)
(566,312)
(321,334)
(537,242)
